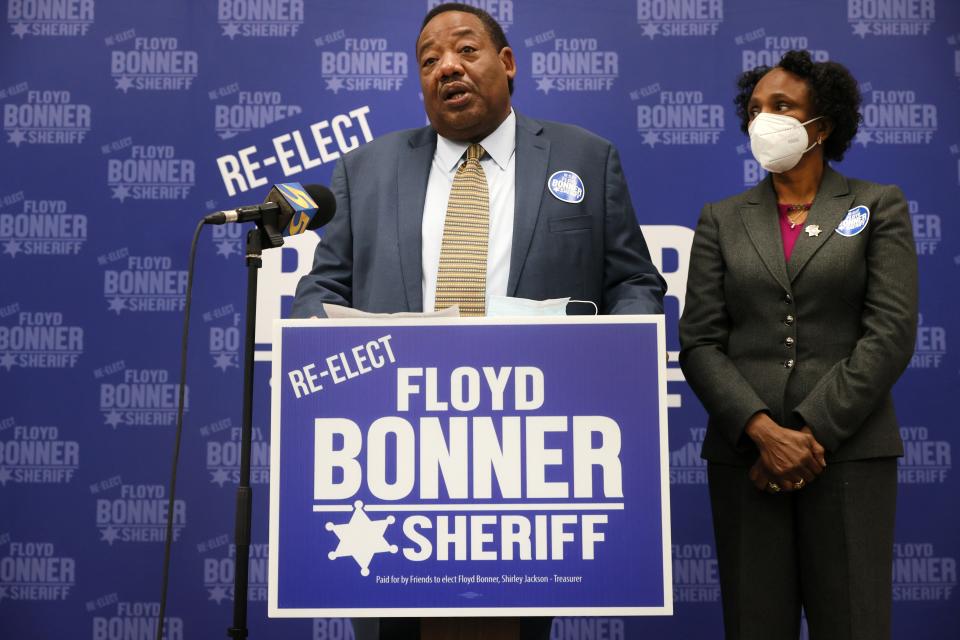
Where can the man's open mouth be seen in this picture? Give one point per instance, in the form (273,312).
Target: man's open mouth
(454,93)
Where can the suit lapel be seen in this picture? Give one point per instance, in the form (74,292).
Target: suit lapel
(533,155)
(829,207)
(412,175)
(760,219)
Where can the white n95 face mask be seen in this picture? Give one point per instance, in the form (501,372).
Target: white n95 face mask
(508,306)
(778,142)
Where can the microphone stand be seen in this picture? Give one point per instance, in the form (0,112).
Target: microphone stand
(265,236)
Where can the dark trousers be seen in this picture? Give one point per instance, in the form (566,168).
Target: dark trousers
(827,548)
(409,629)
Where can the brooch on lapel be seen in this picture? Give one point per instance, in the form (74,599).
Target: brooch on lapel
(854,222)
(813,230)
(566,186)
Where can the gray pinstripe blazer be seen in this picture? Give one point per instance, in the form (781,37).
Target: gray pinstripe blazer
(818,340)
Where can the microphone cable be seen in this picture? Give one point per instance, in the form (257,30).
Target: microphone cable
(168,540)
(329,205)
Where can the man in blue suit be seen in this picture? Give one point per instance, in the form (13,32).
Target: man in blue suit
(561,224)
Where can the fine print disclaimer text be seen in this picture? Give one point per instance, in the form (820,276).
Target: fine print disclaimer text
(477,579)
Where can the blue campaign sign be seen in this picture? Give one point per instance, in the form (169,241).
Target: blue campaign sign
(469,467)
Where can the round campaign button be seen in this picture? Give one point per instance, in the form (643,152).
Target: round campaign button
(566,186)
(854,222)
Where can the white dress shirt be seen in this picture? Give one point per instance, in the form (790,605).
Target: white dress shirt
(499,166)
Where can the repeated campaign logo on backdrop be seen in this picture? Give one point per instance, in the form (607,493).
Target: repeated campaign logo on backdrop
(148,172)
(334,629)
(50,17)
(677,117)
(895,117)
(891,17)
(40,227)
(921,573)
(224,335)
(572,64)
(683,18)
(135,513)
(594,628)
(260,18)
(501,10)
(38,339)
(32,454)
(686,465)
(48,116)
(154,63)
(34,571)
(219,566)
(927,229)
(363,64)
(114,619)
(228,239)
(926,460)
(753,173)
(762,50)
(142,284)
(238,111)
(223,453)
(695,574)
(931,346)
(138,397)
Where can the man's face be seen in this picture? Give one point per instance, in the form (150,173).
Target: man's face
(463,77)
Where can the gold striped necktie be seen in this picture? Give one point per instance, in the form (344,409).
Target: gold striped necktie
(462,275)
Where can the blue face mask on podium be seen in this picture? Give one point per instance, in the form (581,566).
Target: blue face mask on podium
(507,306)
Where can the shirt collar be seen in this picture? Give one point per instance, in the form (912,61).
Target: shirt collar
(499,145)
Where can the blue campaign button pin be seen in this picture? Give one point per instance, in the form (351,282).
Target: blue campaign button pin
(854,222)
(566,186)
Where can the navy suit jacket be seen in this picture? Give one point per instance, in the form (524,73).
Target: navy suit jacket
(370,256)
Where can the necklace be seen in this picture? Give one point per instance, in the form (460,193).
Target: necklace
(797,213)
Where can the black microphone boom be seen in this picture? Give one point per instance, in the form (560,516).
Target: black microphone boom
(242,214)
(278,203)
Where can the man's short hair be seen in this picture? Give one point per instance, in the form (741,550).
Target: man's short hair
(493,28)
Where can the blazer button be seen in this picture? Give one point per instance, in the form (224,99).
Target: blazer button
(788,364)
(788,320)
(788,299)
(789,341)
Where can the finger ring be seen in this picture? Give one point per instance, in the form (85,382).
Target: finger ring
(773,486)
(798,484)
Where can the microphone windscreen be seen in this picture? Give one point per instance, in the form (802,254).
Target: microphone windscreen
(326,205)
(297,208)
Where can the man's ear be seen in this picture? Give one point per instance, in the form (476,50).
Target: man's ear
(508,61)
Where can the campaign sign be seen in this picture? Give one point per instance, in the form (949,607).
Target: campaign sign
(469,467)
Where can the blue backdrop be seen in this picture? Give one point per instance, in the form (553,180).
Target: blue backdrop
(124,122)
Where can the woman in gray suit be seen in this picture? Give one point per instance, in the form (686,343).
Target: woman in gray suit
(800,314)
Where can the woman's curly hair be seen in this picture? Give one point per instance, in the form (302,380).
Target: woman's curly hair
(834,95)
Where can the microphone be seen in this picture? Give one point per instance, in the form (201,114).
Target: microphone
(326,205)
(293,207)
